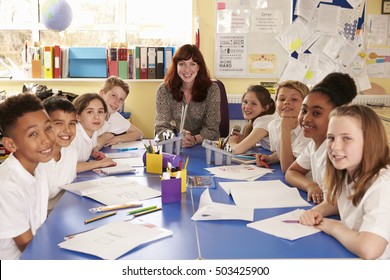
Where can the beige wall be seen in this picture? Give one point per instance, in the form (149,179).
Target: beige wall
(141,100)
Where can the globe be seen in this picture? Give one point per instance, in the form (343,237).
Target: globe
(56,14)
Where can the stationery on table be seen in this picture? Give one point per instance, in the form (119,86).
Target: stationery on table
(115,170)
(209,210)
(285,226)
(112,190)
(127,154)
(97,218)
(114,207)
(129,146)
(264,194)
(239,172)
(244,159)
(115,239)
(143,211)
(201,182)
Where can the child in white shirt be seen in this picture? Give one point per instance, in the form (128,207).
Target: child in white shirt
(357,182)
(62,168)
(91,111)
(116,128)
(258,109)
(24,190)
(334,90)
(286,136)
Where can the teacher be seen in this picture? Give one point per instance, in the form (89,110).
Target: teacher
(188,100)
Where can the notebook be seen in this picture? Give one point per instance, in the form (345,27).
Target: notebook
(115,170)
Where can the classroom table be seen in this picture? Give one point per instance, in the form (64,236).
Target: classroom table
(191,239)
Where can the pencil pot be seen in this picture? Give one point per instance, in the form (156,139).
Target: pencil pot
(171,190)
(183,177)
(173,159)
(154,163)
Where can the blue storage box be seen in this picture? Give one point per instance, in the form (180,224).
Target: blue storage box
(87,62)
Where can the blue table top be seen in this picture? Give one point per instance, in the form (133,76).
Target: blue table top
(190,240)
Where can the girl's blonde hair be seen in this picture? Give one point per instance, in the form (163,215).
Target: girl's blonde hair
(375,154)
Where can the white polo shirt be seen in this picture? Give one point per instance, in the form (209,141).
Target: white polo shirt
(373,212)
(23,204)
(262,122)
(298,140)
(83,143)
(63,171)
(116,124)
(314,160)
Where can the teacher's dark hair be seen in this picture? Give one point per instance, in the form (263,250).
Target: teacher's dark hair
(202,81)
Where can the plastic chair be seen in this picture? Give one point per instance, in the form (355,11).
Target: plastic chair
(224,125)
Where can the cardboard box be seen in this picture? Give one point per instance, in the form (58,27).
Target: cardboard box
(87,62)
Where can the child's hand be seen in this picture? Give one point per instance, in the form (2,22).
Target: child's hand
(314,193)
(288,123)
(112,141)
(263,160)
(311,218)
(97,154)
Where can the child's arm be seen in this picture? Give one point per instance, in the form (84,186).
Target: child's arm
(364,244)
(22,240)
(286,153)
(248,142)
(295,176)
(104,139)
(315,215)
(93,164)
(132,134)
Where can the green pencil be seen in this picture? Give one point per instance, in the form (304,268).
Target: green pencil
(141,210)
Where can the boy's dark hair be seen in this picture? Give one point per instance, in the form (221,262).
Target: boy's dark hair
(56,103)
(14,107)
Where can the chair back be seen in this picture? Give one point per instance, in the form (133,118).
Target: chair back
(224,125)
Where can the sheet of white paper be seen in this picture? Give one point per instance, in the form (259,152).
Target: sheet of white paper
(112,190)
(239,172)
(209,210)
(291,231)
(113,240)
(328,18)
(125,154)
(129,145)
(264,194)
(135,161)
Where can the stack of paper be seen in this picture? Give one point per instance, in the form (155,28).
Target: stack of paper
(239,172)
(114,239)
(278,226)
(263,194)
(129,146)
(112,190)
(209,210)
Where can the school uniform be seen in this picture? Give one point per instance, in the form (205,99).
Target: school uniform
(60,173)
(262,122)
(23,204)
(298,140)
(315,161)
(115,124)
(83,143)
(372,214)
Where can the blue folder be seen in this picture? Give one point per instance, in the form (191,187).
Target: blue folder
(87,62)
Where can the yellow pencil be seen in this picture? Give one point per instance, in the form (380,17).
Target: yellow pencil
(99,217)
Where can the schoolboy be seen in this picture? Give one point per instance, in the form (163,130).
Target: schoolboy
(62,167)
(28,135)
(116,128)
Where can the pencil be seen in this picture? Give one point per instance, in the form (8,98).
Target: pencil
(141,210)
(151,147)
(99,217)
(263,163)
(114,207)
(147,212)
